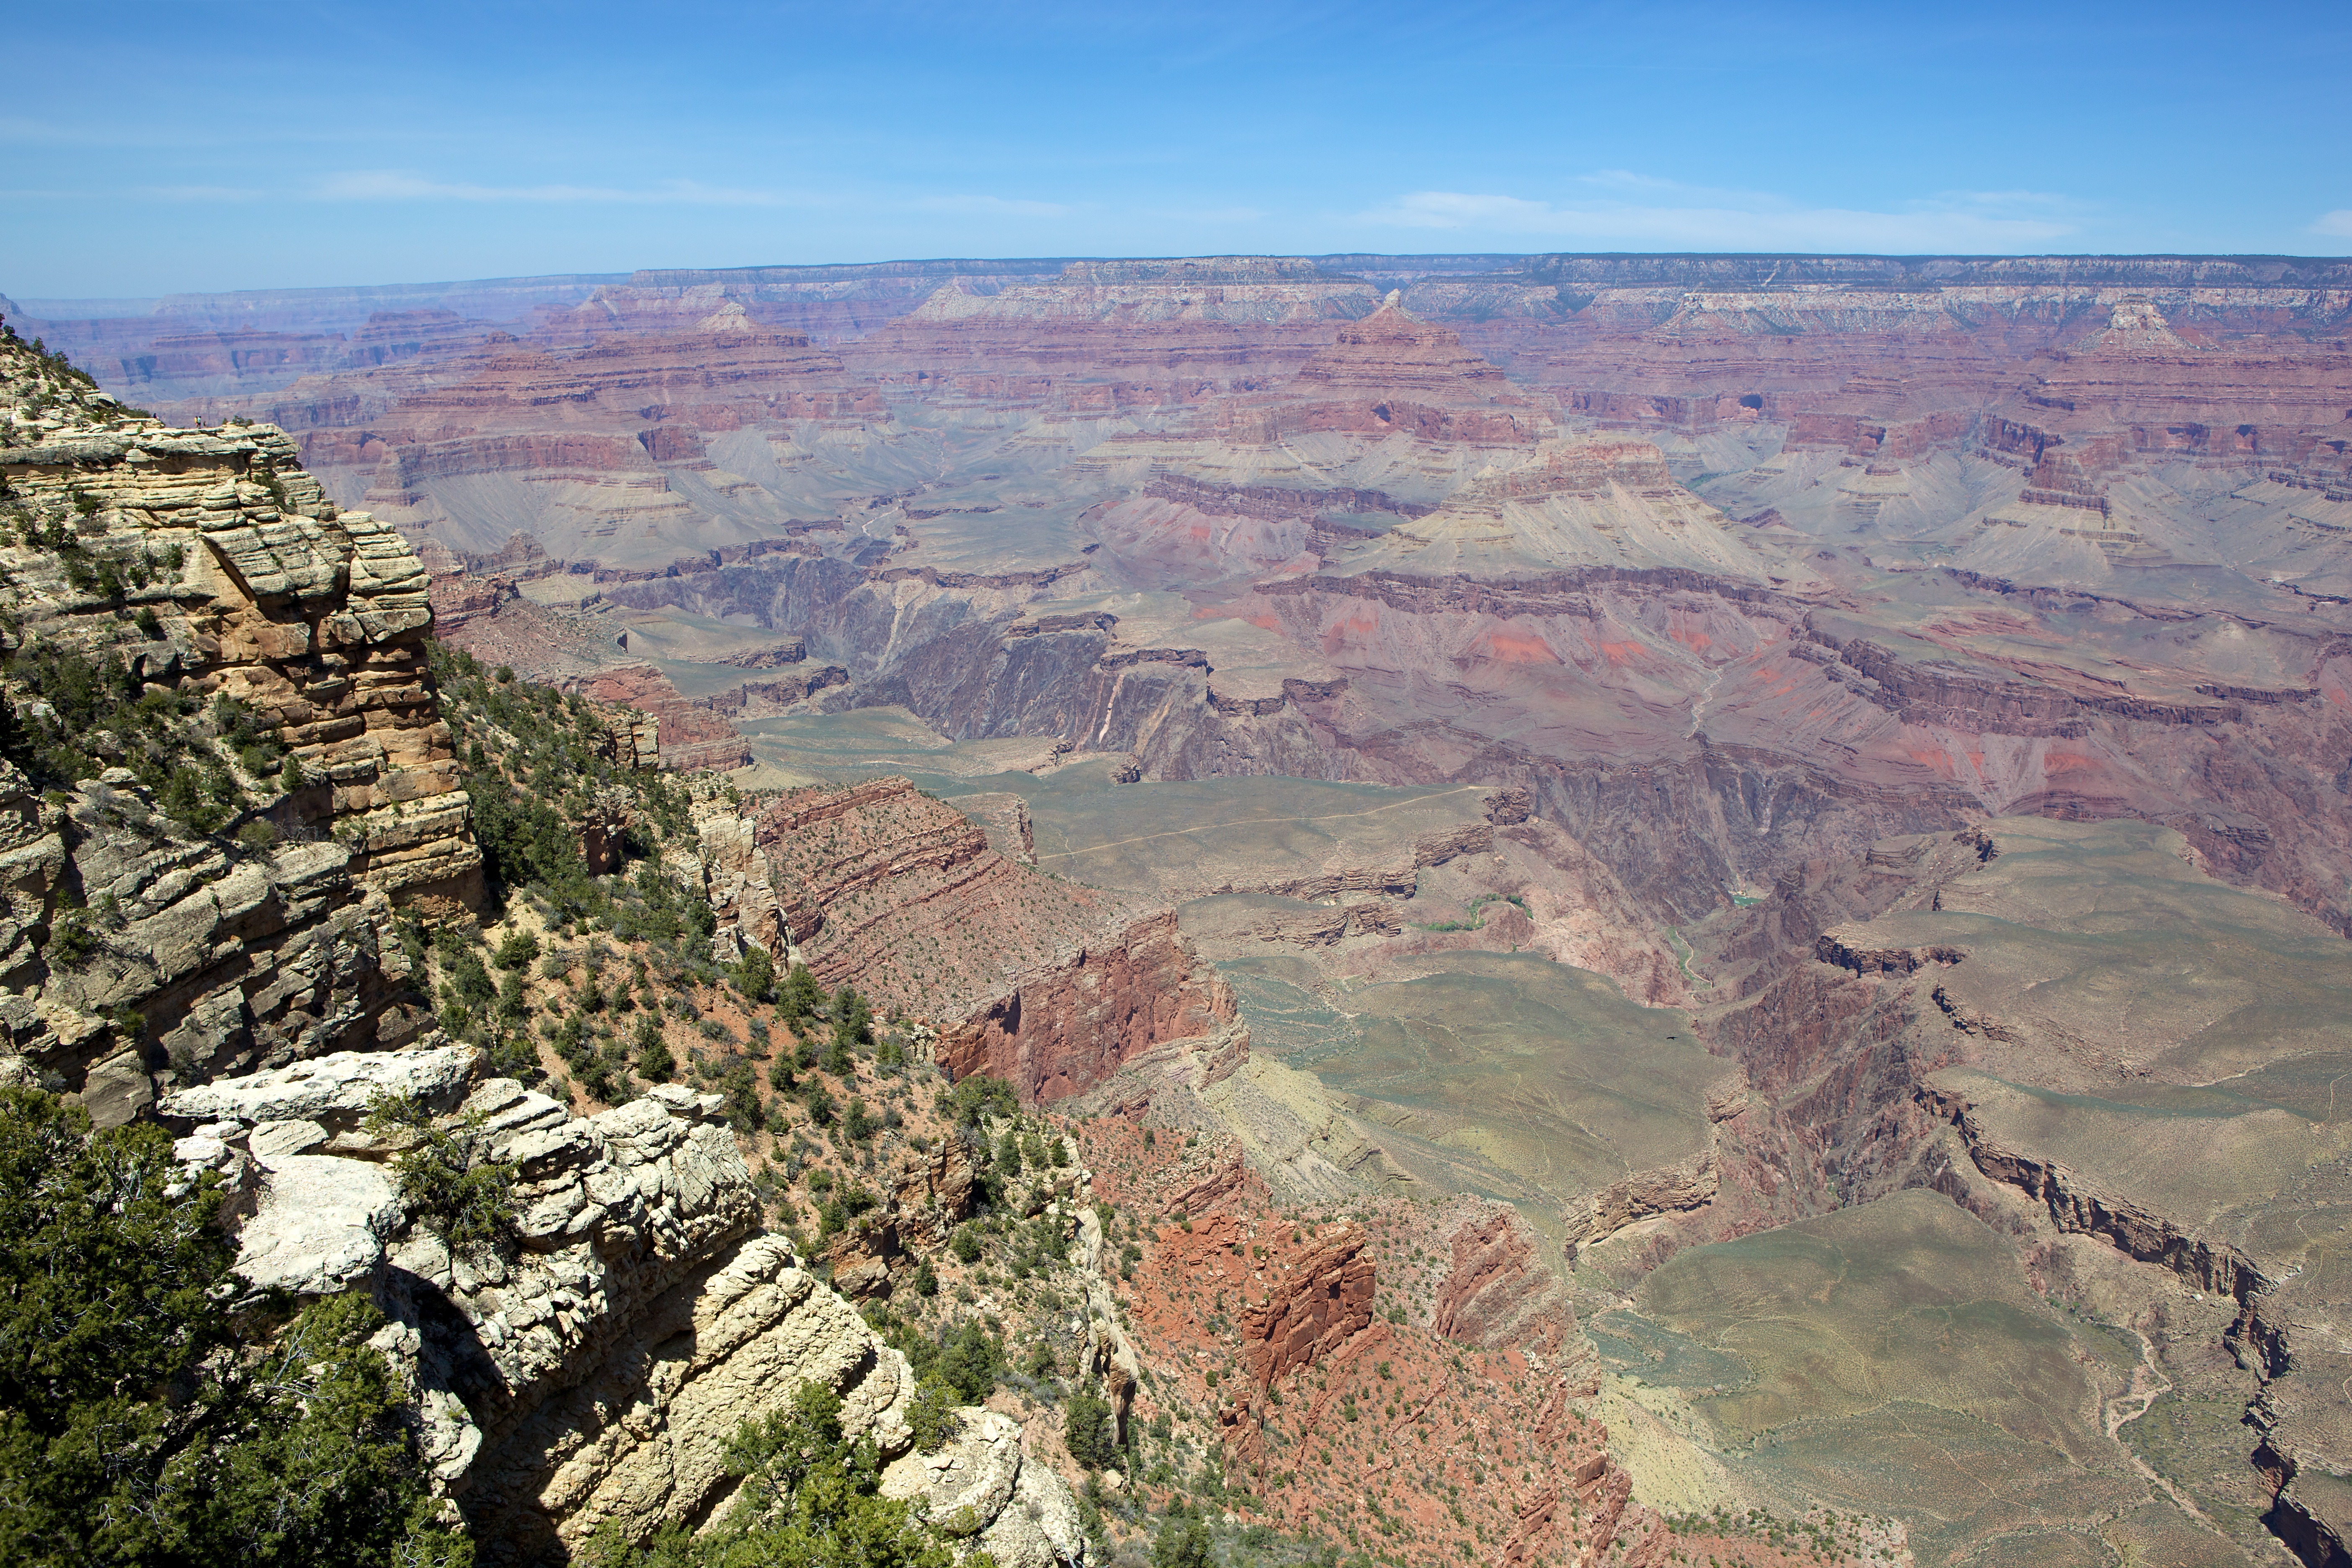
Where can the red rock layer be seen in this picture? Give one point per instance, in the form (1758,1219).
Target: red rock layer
(1499,1293)
(1392,372)
(1045,983)
(1323,1298)
(1065,1029)
(690,734)
(1356,1423)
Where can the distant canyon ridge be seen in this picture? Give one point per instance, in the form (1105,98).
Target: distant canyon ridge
(1724,558)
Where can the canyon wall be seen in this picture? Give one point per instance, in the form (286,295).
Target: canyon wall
(156,575)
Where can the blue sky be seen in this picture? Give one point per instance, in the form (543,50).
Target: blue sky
(147,148)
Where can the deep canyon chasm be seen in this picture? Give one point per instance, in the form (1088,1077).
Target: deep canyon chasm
(1582,826)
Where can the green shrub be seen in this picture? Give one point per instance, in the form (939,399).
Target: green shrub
(135,1428)
(740,1085)
(1089,1429)
(979,1096)
(970,1361)
(800,996)
(1182,1543)
(853,1021)
(932,1415)
(73,938)
(756,975)
(516,951)
(654,1063)
(447,1178)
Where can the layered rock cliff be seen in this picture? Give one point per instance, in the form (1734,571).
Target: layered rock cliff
(227,768)
(1046,984)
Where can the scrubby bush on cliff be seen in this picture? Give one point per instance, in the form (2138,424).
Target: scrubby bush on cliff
(1182,1543)
(93,716)
(965,1361)
(809,1499)
(975,1099)
(800,996)
(756,975)
(447,1178)
(1089,1429)
(532,760)
(932,1415)
(654,1063)
(135,1427)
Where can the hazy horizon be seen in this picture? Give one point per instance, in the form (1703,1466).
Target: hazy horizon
(162,153)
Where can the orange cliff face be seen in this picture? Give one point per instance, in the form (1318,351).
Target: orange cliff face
(1302,1331)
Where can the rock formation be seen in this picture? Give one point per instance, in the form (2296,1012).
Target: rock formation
(1047,983)
(594,1375)
(202,570)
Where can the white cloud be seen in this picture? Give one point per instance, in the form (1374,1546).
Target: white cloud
(2338,221)
(404,185)
(1678,216)
(199,193)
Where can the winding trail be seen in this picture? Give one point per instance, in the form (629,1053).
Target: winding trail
(2156,1387)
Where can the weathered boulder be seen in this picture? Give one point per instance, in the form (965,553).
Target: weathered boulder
(321,1226)
(981,1485)
(334,1090)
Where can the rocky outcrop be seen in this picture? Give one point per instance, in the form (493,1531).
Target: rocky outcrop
(314,618)
(1323,1296)
(1073,1024)
(1391,373)
(2077,1204)
(210,575)
(333,1092)
(984,1489)
(1499,1293)
(686,735)
(592,1374)
(1048,983)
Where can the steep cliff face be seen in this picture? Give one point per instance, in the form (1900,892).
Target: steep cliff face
(1072,1023)
(1323,1297)
(227,766)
